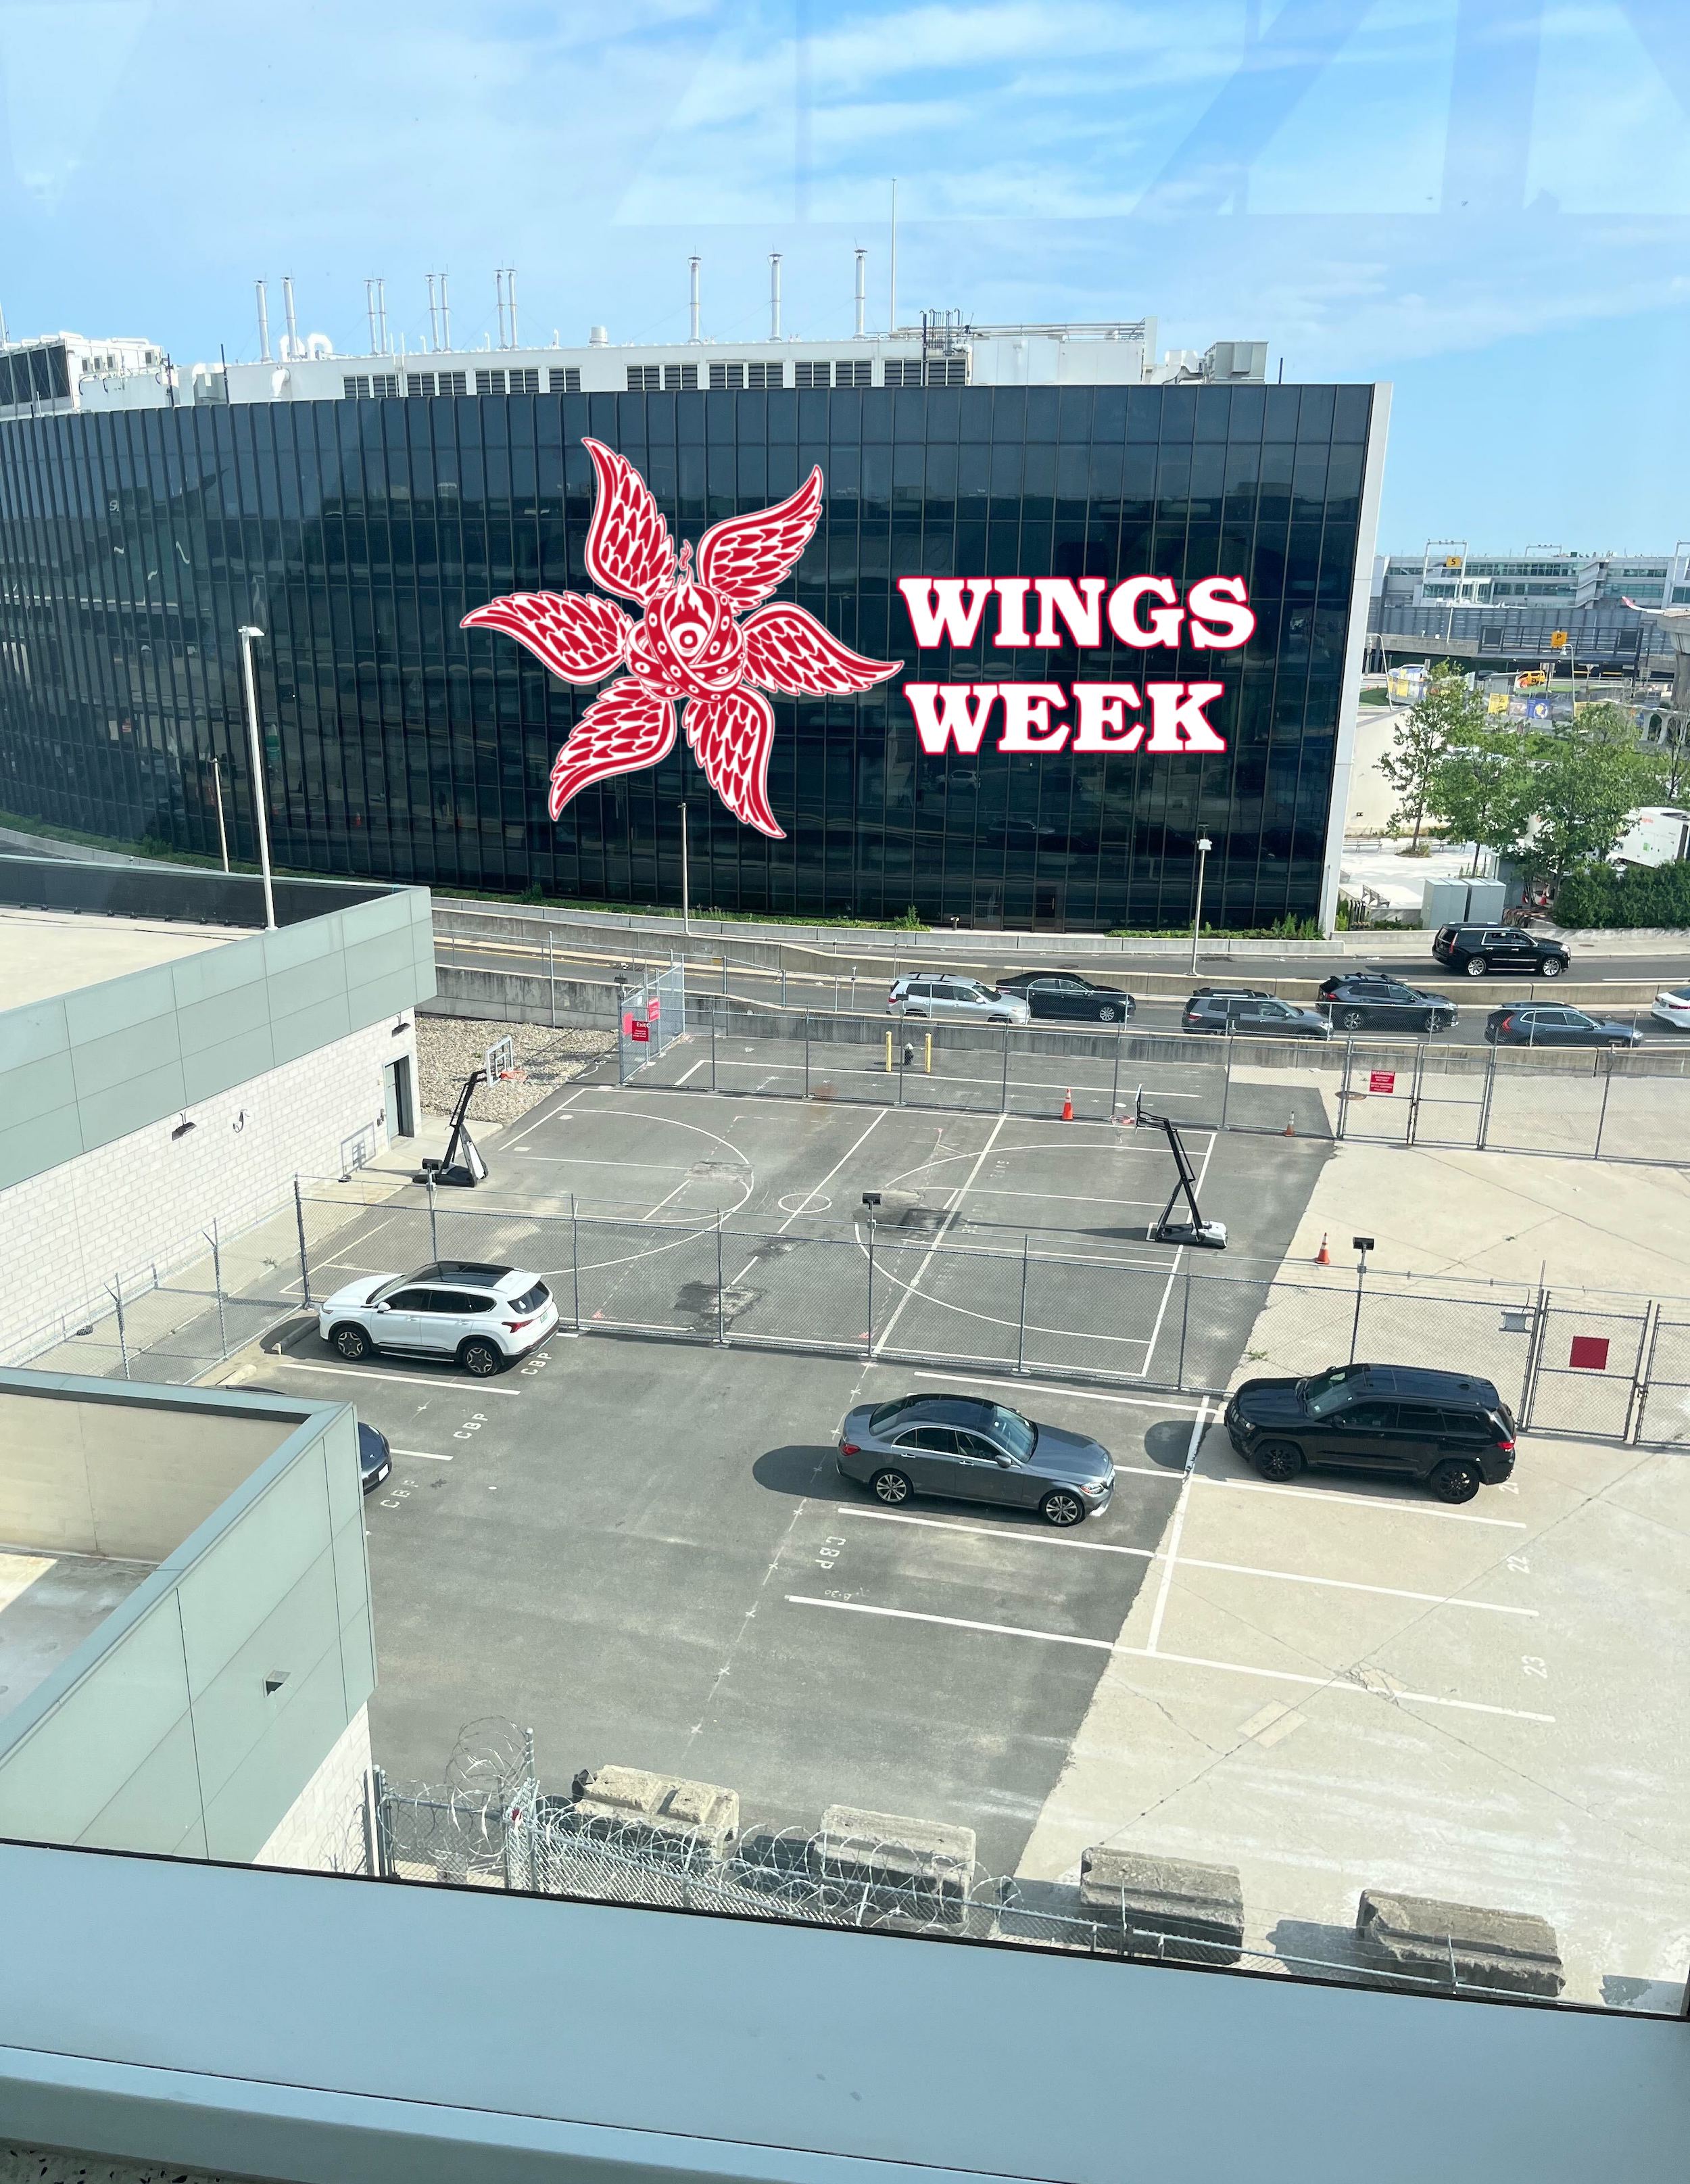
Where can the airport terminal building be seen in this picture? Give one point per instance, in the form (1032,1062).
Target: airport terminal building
(989,498)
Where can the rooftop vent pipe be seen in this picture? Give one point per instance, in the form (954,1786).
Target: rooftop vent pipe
(292,349)
(773,295)
(692,307)
(862,294)
(264,323)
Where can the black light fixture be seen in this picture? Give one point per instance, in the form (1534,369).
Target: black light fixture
(403,1026)
(182,1128)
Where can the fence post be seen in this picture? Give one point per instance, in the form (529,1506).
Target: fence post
(304,1256)
(1226,1080)
(1602,1118)
(433,1218)
(1343,1090)
(1114,1075)
(1184,1322)
(783,978)
(372,1837)
(217,1283)
(721,1323)
(806,1053)
(551,979)
(870,1337)
(1534,1359)
(1021,1329)
(383,1823)
(1004,1096)
(116,1287)
(712,1057)
(853,989)
(1638,1401)
(1485,1098)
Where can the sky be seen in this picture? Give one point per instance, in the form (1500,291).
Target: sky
(1485,202)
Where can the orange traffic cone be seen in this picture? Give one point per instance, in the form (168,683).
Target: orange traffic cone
(1323,1257)
(1290,1129)
(1068,1105)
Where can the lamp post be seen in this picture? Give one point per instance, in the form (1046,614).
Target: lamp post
(685,891)
(246,634)
(1204,846)
(1363,1246)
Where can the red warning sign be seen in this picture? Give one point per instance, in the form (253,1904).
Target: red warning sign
(1589,1353)
(1381,1080)
(638,1031)
(654,1009)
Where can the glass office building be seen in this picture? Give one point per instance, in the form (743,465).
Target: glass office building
(356,533)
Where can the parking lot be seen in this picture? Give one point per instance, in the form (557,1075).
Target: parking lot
(641,1549)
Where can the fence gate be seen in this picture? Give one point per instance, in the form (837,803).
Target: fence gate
(1663,1410)
(652,1017)
(1588,1377)
(1376,1101)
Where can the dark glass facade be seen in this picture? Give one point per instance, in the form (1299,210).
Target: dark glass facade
(133,545)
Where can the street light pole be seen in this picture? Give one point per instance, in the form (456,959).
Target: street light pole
(1204,846)
(222,829)
(248,632)
(685,894)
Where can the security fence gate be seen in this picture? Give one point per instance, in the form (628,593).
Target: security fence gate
(652,1016)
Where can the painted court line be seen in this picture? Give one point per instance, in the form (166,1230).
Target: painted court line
(1187,1562)
(1178,1526)
(1333,1683)
(956,1207)
(692,1072)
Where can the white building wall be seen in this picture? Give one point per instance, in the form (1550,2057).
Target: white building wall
(322,1832)
(148,1198)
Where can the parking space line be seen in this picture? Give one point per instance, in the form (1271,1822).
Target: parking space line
(1041,1388)
(1366,1502)
(1336,1682)
(692,1072)
(1189,1562)
(1078,1198)
(1172,1554)
(374,1372)
(341,1257)
(428,1453)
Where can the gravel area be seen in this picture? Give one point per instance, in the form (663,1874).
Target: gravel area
(449,1047)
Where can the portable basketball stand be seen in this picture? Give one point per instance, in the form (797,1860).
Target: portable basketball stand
(1210,1235)
(461,1167)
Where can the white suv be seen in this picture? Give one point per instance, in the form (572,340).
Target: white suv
(956,1000)
(483,1316)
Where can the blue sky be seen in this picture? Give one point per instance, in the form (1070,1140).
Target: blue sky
(1486,201)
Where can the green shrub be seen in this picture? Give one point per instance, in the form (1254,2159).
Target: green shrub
(1601,896)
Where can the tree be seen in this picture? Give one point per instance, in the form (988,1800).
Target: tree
(1486,789)
(1584,788)
(1448,714)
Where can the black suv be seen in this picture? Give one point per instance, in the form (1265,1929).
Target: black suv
(1066,995)
(1375,1000)
(1450,1431)
(1473,949)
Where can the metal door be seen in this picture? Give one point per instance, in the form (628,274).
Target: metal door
(1589,1371)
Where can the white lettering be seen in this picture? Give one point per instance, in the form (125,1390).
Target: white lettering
(1027,725)
(950,712)
(1165,620)
(1084,616)
(1101,725)
(1221,600)
(1176,720)
(1012,599)
(937,612)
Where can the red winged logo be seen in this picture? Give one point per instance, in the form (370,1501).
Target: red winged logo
(689,644)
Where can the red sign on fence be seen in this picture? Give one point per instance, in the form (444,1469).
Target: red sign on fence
(1589,1353)
(638,1031)
(654,1009)
(1381,1080)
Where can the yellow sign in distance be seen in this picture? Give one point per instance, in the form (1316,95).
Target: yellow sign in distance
(1558,640)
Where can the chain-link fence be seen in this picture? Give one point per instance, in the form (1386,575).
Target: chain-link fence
(491,1824)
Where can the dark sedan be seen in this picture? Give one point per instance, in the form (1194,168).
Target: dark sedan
(1375,1001)
(375,1457)
(966,1449)
(1532,1026)
(1065,995)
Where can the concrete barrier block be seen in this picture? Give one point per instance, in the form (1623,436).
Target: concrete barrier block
(662,1808)
(1162,1907)
(922,1870)
(1460,1944)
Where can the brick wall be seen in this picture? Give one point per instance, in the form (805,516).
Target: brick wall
(322,1832)
(148,1198)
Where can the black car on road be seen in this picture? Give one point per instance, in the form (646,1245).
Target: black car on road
(1376,1001)
(1450,1431)
(1251,1016)
(966,1449)
(1473,949)
(1532,1025)
(1066,996)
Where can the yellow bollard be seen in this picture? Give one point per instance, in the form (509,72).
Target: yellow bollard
(930,1054)
(888,1054)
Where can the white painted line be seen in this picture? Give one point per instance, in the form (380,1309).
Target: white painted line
(1168,1290)
(1364,1501)
(939,1232)
(692,1072)
(1179,1524)
(508,1139)
(1079,1198)
(1041,1388)
(1332,1683)
(340,1258)
(667,1195)
(426,1452)
(577,1160)
(373,1373)
(1187,1562)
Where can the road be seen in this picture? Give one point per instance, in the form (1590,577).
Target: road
(1159,984)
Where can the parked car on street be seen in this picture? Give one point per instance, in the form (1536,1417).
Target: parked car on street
(1065,997)
(1255,1016)
(967,1448)
(1375,1000)
(375,1457)
(1672,1006)
(956,1000)
(483,1316)
(1474,950)
(1530,1025)
(1450,1431)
